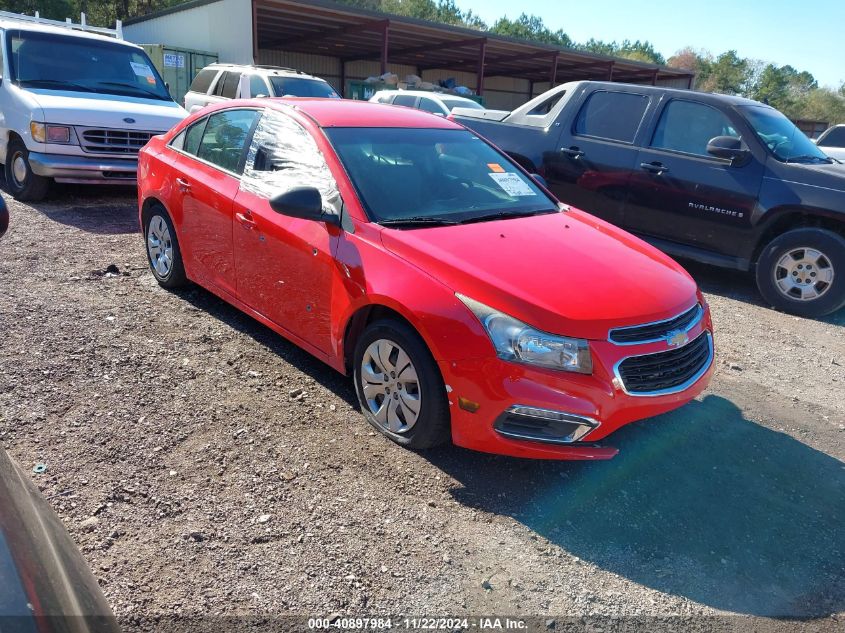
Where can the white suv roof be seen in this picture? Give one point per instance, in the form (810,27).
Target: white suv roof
(270,71)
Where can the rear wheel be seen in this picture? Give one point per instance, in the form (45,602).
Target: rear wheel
(399,386)
(803,272)
(23,183)
(163,252)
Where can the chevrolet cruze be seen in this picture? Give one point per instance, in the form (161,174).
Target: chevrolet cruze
(400,248)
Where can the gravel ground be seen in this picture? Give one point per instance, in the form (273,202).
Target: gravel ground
(206,466)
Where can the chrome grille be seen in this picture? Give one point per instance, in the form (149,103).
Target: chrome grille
(666,372)
(124,142)
(657,331)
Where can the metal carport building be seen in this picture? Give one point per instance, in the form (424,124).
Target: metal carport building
(341,43)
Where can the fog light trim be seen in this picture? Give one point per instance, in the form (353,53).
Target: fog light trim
(576,427)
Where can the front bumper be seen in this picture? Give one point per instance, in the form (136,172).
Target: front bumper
(84,169)
(598,401)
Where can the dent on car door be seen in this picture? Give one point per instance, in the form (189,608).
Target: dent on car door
(284,264)
(592,162)
(205,185)
(680,192)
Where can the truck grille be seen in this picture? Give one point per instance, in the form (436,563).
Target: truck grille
(126,142)
(666,372)
(658,330)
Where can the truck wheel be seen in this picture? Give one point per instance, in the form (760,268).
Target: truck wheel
(803,272)
(399,385)
(23,184)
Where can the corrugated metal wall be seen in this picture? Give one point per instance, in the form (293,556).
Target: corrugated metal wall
(223,27)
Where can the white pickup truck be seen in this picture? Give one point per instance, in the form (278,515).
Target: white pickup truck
(75,105)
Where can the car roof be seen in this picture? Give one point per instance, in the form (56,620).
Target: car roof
(350,113)
(425,93)
(21,25)
(265,70)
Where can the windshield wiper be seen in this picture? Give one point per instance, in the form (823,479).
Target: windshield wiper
(130,87)
(803,157)
(55,83)
(504,215)
(418,221)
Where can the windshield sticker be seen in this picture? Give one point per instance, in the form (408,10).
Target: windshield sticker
(496,167)
(142,70)
(513,185)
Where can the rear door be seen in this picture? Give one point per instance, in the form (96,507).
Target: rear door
(591,165)
(681,193)
(208,169)
(284,264)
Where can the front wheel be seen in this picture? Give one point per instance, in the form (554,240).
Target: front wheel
(399,385)
(803,272)
(23,183)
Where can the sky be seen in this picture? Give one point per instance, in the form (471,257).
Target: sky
(805,35)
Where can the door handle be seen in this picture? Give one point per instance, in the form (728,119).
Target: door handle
(572,152)
(654,168)
(183,184)
(246,220)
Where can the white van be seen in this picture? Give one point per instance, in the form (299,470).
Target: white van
(75,106)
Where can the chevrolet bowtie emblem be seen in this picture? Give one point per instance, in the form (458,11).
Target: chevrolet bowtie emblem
(677,338)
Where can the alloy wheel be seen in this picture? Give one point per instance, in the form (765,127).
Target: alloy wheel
(803,274)
(160,246)
(390,386)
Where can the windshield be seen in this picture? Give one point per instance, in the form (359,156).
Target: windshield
(451,104)
(781,136)
(301,87)
(434,174)
(64,62)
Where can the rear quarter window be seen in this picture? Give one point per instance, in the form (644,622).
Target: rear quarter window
(615,116)
(202,82)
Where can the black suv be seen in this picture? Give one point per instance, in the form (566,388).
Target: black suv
(717,179)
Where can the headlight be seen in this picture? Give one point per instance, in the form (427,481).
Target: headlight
(48,133)
(516,341)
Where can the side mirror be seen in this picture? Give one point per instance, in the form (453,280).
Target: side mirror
(728,147)
(302,202)
(540,180)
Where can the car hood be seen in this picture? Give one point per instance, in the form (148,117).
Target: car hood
(565,273)
(108,111)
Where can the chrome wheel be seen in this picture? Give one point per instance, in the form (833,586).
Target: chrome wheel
(803,274)
(160,246)
(390,386)
(19,169)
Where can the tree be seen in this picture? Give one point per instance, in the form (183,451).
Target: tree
(637,51)
(532,28)
(726,74)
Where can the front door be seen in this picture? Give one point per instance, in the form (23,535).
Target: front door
(681,193)
(592,163)
(284,264)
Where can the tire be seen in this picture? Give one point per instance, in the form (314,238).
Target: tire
(802,272)
(404,351)
(23,184)
(162,246)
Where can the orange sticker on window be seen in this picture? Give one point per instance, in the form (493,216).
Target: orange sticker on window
(496,168)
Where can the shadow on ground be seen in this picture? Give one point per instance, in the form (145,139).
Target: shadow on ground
(700,503)
(99,209)
(277,344)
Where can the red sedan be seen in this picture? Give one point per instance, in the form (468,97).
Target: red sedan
(402,249)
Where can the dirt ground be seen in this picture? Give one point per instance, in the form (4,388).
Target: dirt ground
(196,479)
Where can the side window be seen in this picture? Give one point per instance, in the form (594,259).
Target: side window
(546,106)
(193,137)
(686,126)
(615,116)
(284,155)
(257,86)
(834,138)
(430,105)
(202,82)
(224,138)
(178,141)
(408,101)
(230,85)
